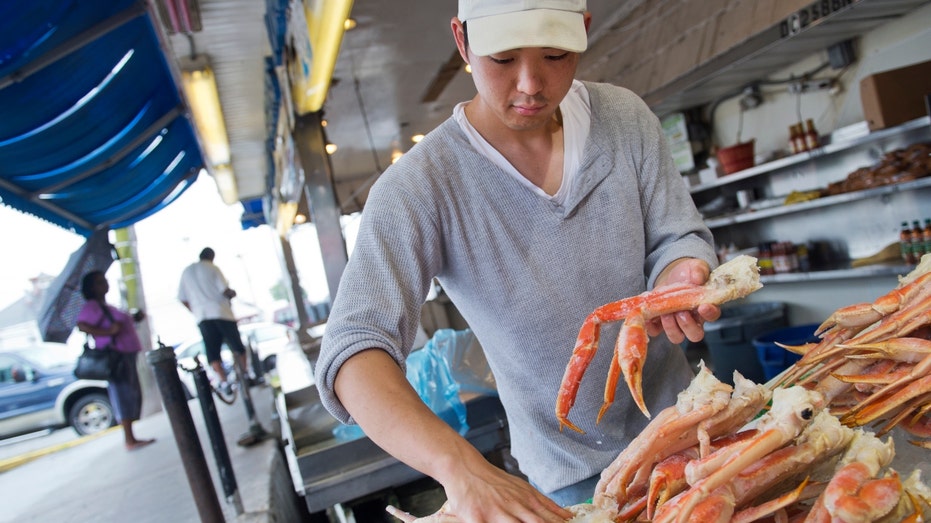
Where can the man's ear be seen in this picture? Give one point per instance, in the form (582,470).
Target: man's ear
(459,36)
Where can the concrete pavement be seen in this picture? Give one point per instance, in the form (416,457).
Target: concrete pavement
(96,479)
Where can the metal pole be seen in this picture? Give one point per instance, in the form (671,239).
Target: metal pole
(255,433)
(217,441)
(164,365)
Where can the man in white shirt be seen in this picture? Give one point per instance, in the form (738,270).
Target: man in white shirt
(206,293)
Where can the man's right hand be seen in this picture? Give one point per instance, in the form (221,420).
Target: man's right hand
(483,493)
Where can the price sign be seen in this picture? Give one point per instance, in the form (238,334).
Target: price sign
(812,13)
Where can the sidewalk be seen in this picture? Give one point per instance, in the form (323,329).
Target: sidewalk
(98,480)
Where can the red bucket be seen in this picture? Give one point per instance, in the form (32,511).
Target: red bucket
(736,157)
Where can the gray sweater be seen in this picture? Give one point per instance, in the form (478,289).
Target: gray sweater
(525,272)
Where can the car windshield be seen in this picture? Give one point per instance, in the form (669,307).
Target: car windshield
(49,356)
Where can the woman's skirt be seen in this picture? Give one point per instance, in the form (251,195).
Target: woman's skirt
(124,389)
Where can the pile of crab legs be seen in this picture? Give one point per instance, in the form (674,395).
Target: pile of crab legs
(711,457)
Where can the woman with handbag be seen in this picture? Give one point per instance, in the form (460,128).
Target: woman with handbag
(114,329)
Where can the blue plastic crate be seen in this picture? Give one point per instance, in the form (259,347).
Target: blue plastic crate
(774,358)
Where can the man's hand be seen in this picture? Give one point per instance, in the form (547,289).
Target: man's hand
(685,324)
(484,493)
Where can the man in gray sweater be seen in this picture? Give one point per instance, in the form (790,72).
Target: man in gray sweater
(539,200)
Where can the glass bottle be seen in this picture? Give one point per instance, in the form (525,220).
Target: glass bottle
(926,235)
(905,244)
(918,244)
(811,136)
(793,142)
(766,259)
(799,139)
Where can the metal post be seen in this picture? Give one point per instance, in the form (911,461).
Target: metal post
(164,365)
(215,431)
(255,433)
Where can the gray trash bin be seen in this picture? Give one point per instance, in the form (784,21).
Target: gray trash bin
(730,339)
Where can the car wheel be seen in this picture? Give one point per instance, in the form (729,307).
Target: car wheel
(91,414)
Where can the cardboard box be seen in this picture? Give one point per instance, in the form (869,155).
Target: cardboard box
(896,96)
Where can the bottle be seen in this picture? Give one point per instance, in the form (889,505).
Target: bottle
(799,138)
(811,136)
(905,244)
(918,244)
(804,265)
(926,235)
(793,140)
(780,260)
(766,259)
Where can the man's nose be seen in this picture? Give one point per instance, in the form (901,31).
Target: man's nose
(529,79)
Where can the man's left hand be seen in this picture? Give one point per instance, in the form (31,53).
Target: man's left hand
(684,324)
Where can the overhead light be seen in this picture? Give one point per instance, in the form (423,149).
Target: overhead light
(200,89)
(299,219)
(349,24)
(330,148)
(416,138)
(315,53)
(396,155)
(468,68)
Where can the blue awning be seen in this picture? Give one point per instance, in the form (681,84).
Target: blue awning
(93,131)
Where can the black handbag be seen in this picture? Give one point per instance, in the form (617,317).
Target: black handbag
(96,364)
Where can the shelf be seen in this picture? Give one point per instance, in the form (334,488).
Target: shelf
(832,148)
(868,271)
(749,216)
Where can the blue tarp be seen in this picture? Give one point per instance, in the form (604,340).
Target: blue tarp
(93,131)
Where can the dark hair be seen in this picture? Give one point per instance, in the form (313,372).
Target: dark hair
(206,254)
(465,35)
(87,284)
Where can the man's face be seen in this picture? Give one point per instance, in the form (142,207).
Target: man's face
(523,87)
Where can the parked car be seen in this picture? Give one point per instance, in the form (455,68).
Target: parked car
(264,340)
(38,391)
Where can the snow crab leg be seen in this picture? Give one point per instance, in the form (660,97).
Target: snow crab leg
(732,280)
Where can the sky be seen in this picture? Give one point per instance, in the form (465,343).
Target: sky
(167,242)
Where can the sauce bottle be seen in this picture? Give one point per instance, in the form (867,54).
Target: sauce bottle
(926,235)
(918,244)
(811,136)
(905,244)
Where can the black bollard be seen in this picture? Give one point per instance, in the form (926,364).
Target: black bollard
(215,431)
(256,432)
(164,365)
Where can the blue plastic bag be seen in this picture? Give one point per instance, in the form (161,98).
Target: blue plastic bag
(428,371)
(466,361)
(429,374)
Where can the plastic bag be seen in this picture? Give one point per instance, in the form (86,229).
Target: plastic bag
(466,361)
(429,374)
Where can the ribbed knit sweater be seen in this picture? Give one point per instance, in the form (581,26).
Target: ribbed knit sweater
(525,272)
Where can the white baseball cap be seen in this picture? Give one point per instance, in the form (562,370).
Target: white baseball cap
(500,25)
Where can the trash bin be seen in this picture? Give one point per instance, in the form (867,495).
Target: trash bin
(776,359)
(730,338)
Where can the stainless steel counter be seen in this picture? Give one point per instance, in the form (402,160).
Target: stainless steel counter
(327,471)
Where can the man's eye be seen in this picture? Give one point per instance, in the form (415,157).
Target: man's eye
(557,57)
(501,61)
